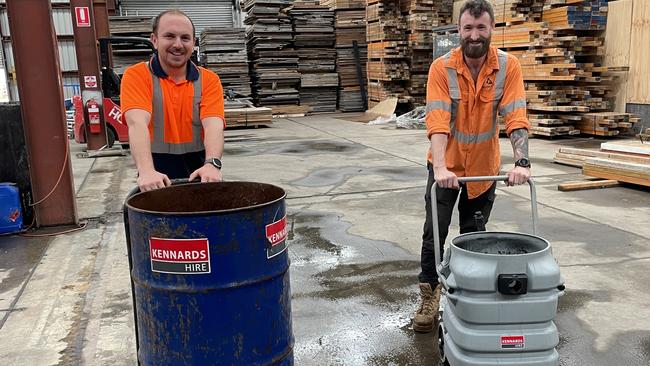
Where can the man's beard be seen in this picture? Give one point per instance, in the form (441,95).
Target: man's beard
(470,51)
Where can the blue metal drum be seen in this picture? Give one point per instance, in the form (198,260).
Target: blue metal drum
(210,274)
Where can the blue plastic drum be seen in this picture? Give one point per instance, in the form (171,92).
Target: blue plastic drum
(11,214)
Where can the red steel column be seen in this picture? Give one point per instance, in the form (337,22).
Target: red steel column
(102,28)
(100,10)
(85,42)
(41,98)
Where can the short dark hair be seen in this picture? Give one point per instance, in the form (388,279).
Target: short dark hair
(476,9)
(156,20)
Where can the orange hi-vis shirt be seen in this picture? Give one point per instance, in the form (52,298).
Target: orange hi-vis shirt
(137,93)
(467,112)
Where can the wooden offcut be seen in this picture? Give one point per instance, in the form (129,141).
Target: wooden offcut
(584,185)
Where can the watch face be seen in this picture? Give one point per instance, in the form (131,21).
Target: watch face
(215,162)
(523,162)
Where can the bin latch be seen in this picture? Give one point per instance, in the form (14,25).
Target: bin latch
(513,284)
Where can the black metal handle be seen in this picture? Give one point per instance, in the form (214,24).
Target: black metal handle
(434,211)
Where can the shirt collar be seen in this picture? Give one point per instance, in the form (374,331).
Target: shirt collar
(191,75)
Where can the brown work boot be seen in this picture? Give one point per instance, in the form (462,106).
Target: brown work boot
(428,311)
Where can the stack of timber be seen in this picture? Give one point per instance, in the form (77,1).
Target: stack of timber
(561,49)
(624,161)
(239,113)
(512,12)
(606,123)
(273,60)
(128,53)
(223,50)
(313,24)
(344,4)
(421,17)
(350,30)
(577,157)
(388,67)
(318,92)
(351,68)
(313,27)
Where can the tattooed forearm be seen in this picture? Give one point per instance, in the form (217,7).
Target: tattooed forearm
(519,140)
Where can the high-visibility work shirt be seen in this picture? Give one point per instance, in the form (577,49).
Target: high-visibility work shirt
(467,112)
(137,92)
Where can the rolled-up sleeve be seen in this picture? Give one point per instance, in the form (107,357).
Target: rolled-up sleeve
(438,108)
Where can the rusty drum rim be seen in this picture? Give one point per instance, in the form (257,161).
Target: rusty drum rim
(132,208)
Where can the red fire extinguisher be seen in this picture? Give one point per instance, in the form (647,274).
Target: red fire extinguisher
(93,116)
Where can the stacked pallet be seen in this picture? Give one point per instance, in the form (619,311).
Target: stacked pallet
(127,53)
(350,25)
(388,67)
(561,52)
(223,50)
(624,161)
(313,27)
(273,61)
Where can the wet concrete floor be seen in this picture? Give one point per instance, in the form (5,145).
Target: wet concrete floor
(19,256)
(352,297)
(355,212)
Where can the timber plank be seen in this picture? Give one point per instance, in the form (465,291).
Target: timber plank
(579,186)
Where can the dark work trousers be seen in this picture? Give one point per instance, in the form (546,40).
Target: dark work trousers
(446,198)
(178,166)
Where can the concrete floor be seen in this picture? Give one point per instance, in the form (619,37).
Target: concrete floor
(355,209)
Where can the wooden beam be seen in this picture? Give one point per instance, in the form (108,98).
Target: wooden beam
(579,186)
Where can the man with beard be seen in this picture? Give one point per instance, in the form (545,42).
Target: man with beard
(174,109)
(465,89)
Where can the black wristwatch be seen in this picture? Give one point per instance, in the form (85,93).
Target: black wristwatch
(214,161)
(523,162)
